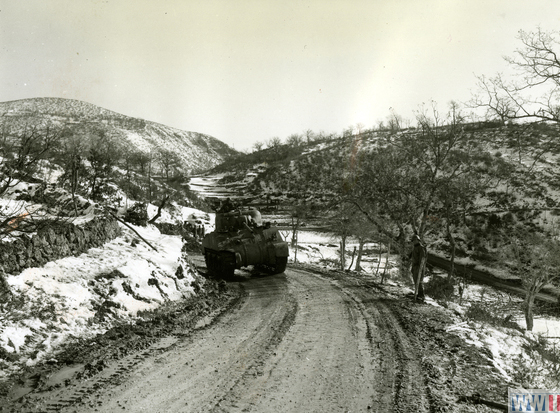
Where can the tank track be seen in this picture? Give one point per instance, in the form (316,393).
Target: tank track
(220,264)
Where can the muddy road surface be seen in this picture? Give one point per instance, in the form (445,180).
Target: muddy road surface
(295,342)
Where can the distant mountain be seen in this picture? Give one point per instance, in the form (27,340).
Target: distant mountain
(197,151)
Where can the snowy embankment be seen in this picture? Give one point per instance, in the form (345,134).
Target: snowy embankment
(85,295)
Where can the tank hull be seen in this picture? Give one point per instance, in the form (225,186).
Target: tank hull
(236,243)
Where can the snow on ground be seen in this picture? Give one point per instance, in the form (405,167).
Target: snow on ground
(11,207)
(323,248)
(503,345)
(87,294)
(546,327)
(507,348)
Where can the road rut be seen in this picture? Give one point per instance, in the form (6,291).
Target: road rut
(298,342)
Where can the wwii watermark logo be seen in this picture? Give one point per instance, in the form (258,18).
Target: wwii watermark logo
(533,400)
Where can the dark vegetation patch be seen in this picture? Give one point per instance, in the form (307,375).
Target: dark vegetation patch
(486,313)
(440,288)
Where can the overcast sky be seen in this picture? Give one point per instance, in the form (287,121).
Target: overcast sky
(245,71)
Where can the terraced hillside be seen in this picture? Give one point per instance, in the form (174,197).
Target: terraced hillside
(497,177)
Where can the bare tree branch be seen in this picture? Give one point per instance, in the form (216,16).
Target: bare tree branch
(538,68)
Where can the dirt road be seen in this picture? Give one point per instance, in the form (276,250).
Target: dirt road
(296,342)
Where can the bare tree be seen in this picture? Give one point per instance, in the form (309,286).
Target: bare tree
(257,146)
(103,155)
(22,147)
(420,180)
(274,142)
(72,152)
(360,128)
(169,162)
(141,160)
(342,225)
(363,230)
(150,167)
(131,158)
(348,132)
(537,68)
(394,121)
(309,136)
(294,140)
(297,214)
(536,259)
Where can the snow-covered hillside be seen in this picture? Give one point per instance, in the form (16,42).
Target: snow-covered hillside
(81,296)
(196,151)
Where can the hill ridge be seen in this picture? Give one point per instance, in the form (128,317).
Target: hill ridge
(197,151)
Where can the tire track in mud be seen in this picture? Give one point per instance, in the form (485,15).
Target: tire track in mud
(198,372)
(80,385)
(297,342)
(112,374)
(410,390)
(254,369)
(324,362)
(402,387)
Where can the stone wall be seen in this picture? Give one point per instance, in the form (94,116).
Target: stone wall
(56,241)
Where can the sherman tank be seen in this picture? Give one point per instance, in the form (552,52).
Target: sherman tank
(242,239)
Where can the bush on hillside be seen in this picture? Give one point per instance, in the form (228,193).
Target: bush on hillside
(137,214)
(439,288)
(487,314)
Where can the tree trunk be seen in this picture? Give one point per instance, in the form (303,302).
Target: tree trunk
(5,291)
(528,308)
(343,252)
(295,228)
(403,264)
(452,269)
(295,250)
(358,266)
(386,262)
(379,262)
(158,214)
(294,242)
(150,181)
(93,185)
(74,187)
(453,248)
(352,261)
